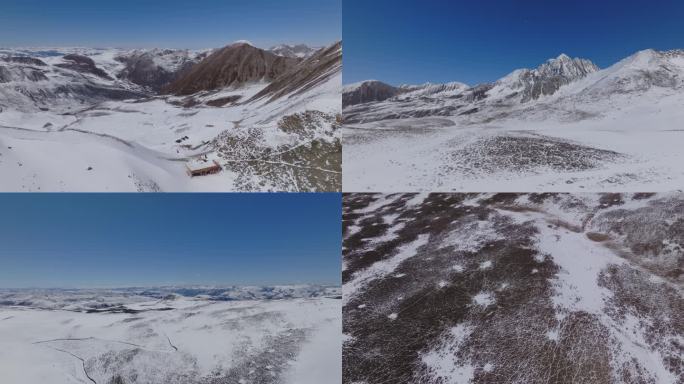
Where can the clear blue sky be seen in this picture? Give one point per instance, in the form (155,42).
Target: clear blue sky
(121,240)
(415,41)
(168,23)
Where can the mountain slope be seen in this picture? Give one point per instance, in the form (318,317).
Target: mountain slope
(157,68)
(307,74)
(234,65)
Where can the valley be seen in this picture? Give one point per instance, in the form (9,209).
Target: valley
(79,119)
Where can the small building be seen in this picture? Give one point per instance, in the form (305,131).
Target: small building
(202,166)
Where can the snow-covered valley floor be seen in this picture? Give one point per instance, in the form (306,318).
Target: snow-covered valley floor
(513,288)
(445,154)
(121,146)
(127,337)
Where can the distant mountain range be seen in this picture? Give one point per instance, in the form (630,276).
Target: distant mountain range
(556,80)
(298,50)
(47,78)
(99,299)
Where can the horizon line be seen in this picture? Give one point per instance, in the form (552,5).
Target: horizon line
(176,286)
(69,46)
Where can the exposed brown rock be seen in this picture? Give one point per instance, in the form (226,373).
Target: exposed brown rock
(235,64)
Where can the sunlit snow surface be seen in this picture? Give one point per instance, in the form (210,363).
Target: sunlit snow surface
(275,335)
(513,288)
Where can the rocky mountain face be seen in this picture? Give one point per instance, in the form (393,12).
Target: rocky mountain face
(233,65)
(293,51)
(368,91)
(561,80)
(309,73)
(531,84)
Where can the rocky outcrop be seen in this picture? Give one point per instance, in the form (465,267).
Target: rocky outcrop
(531,84)
(83,64)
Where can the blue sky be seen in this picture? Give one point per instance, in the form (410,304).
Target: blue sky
(117,240)
(168,23)
(414,41)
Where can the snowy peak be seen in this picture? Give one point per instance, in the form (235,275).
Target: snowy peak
(567,67)
(242,42)
(531,84)
(294,51)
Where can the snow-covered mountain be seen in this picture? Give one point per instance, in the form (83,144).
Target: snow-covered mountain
(526,84)
(469,288)
(295,51)
(138,116)
(526,130)
(520,86)
(178,335)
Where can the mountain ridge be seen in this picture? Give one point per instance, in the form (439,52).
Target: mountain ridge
(561,77)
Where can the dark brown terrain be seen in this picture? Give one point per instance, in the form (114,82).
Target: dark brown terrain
(233,65)
(513,288)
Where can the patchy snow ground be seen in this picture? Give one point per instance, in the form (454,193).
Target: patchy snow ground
(135,336)
(573,287)
(623,151)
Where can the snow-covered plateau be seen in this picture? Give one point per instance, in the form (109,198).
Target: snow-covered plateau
(448,288)
(565,126)
(90,119)
(183,335)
